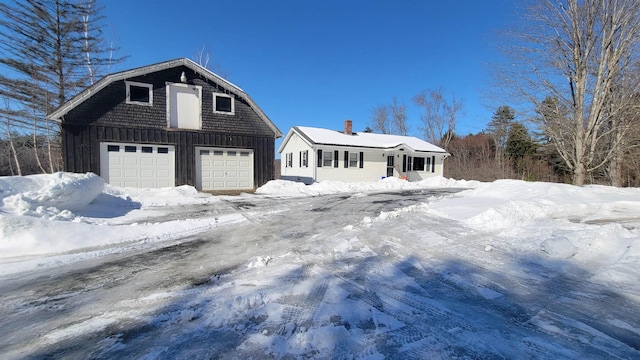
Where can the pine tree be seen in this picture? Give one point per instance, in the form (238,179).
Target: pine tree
(499,126)
(51,50)
(519,142)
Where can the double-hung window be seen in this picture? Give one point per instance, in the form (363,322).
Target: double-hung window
(289,160)
(353,159)
(327,158)
(304,158)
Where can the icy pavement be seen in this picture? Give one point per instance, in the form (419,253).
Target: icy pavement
(365,275)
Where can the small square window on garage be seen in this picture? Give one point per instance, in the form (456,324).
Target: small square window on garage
(218,152)
(147,149)
(139,93)
(223,104)
(115,148)
(163,150)
(130,149)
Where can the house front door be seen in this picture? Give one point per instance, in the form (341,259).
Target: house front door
(389,165)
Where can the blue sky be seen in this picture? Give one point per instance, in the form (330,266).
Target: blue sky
(317,63)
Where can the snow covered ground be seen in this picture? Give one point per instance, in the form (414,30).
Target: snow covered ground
(436,269)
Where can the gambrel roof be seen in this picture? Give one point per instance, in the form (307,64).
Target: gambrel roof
(320,136)
(59,113)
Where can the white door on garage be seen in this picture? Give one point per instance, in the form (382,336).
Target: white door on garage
(137,165)
(224,169)
(184,106)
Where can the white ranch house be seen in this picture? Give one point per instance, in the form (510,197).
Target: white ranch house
(309,154)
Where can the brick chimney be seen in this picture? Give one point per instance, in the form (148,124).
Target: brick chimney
(348,127)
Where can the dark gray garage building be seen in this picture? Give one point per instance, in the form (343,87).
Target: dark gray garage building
(168,124)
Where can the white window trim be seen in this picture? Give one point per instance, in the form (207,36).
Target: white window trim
(325,158)
(233,103)
(139,84)
(357,159)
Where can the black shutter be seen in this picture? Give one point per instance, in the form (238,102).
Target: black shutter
(404,163)
(346,159)
(306,158)
(361,160)
(433,164)
(300,160)
(319,157)
(335,158)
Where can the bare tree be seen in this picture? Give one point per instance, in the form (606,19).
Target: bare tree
(13,154)
(51,50)
(390,119)
(202,57)
(380,119)
(439,116)
(399,117)
(579,53)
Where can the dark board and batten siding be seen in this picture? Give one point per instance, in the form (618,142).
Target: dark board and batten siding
(106,117)
(82,148)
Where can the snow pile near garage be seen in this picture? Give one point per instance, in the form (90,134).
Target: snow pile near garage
(64,212)
(33,195)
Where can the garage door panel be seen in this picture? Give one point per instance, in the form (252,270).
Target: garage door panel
(128,161)
(224,169)
(148,161)
(147,173)
(138,165)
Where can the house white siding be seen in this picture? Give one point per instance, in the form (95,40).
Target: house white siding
(373,168)
(292,164)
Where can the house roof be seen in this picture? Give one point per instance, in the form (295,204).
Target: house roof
(320,136)
(59,113)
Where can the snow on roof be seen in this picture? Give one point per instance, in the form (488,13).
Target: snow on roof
(363,139)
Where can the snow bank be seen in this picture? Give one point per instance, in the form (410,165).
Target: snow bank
(557,220)
(292,188)
(63,212)
(503,203)
(29,195)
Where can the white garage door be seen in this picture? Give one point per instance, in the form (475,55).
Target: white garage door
(137,165)
(224,169)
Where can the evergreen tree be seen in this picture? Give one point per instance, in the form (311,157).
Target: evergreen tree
(519,142)
(51,50)
(499,126)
